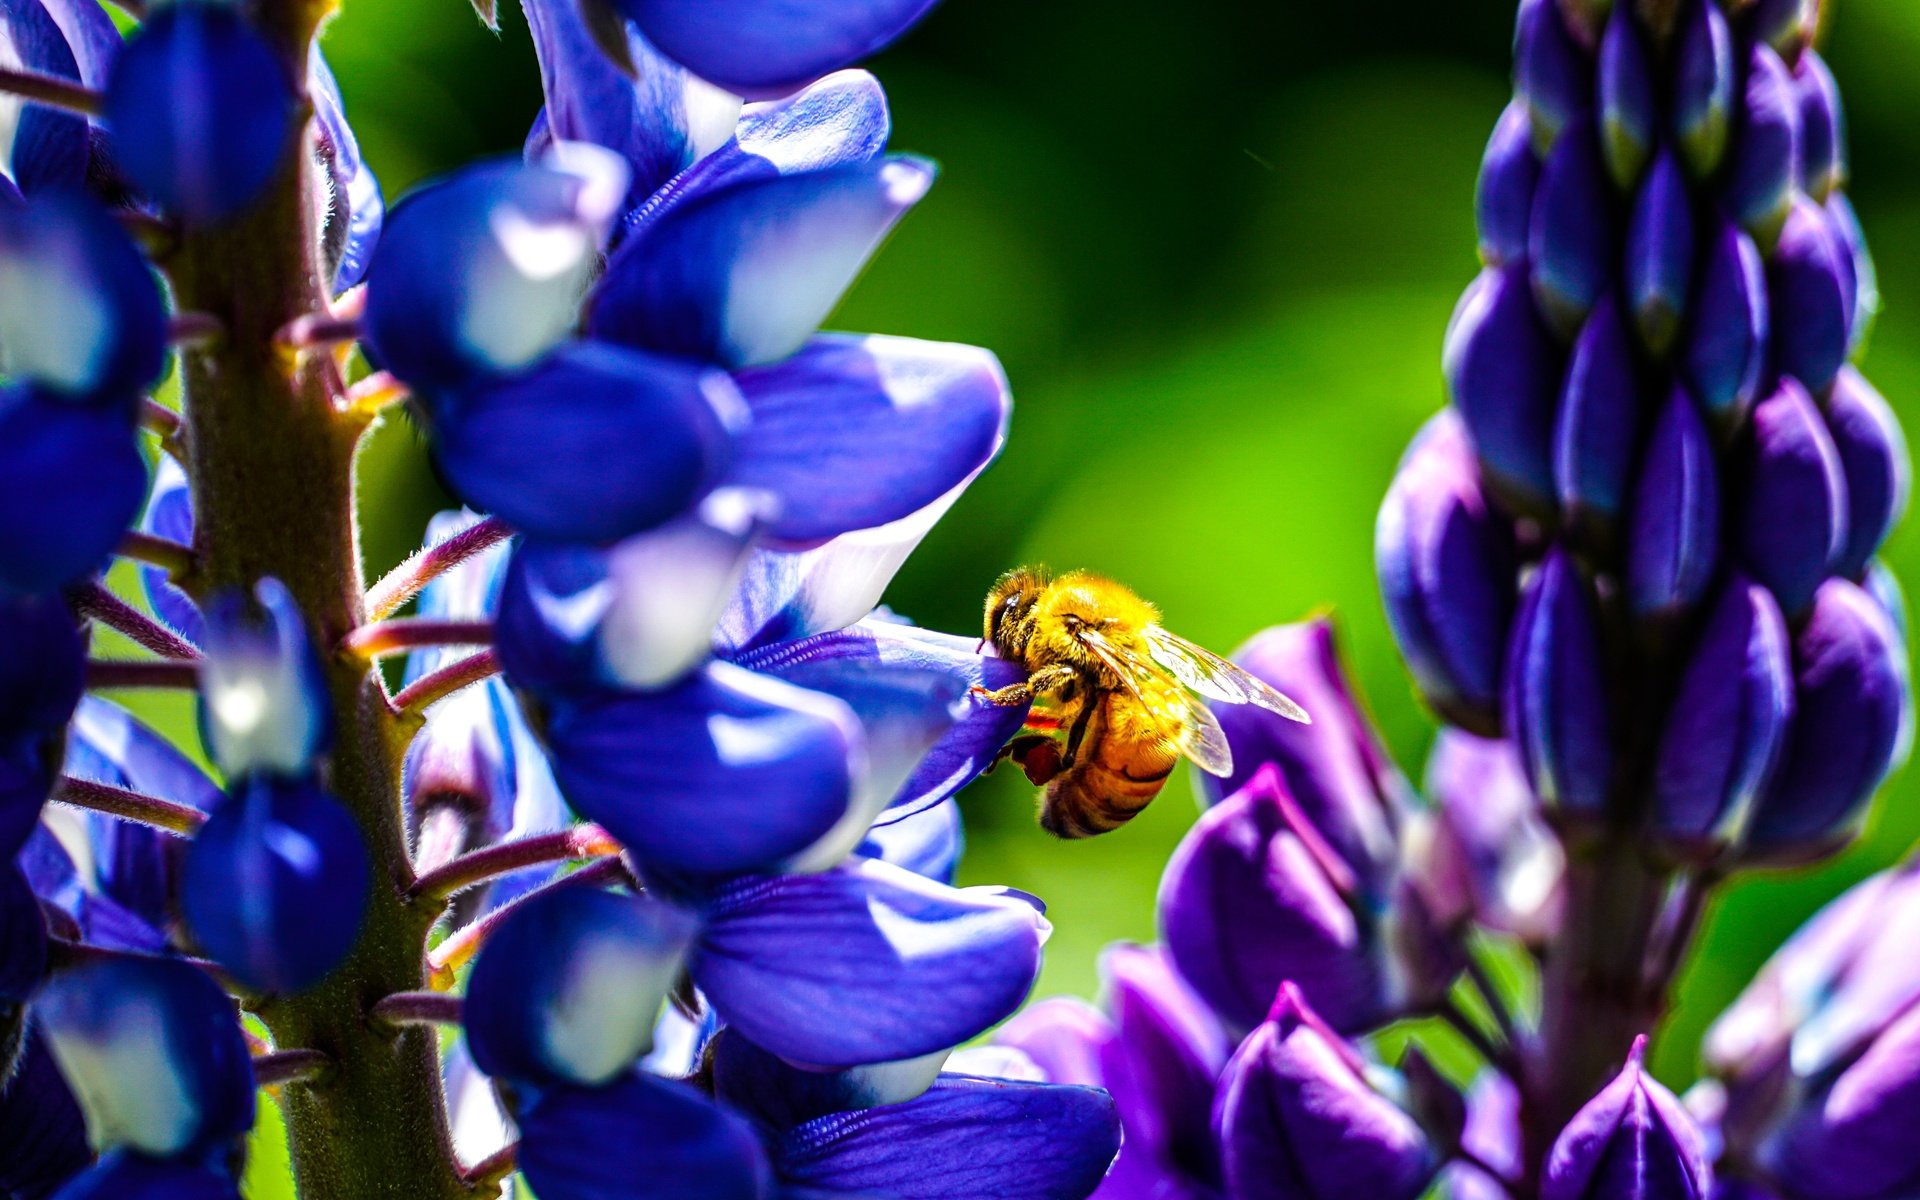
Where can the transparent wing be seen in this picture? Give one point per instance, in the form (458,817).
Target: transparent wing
(1179,715)
(1207,673)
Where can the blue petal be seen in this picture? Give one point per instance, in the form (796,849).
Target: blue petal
(1822,126)
(1727,349)
(42,664)
(965,1137)
(1570,243)
(622,1141)
(834,662)
(1673,535)
(639,614)
(780,1095)
(153,1049)
(169,514)
(46,147)
(1163,1065)
(1704,79)
(1503,374)
(1791,521)
(1873,453)
(569,986)
(838,121)
(275,884)
(79,310)
(531,448)
(71,481)
(867,963)
(725,774)
(355,210)
(1503,198)
(124,1176)
(745,275)
(43,1134)
(90,35)
(925,840)
(98,918)
(1596,436)
(785,595)
(263,693)
(201,110)
(1559,707)
(1765,166)
(23,946)
(770,47)
(1811,282)
(482,271)
(659,118)
(857,431)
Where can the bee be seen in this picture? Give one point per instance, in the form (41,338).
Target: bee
(1113,696)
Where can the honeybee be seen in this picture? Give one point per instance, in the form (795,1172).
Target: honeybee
(1112,694)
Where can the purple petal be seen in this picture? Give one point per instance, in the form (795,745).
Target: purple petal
(1673,539)
(129,1176)
(1296,1119)
(1823,127)
(866,963)
(856,431)
(43,1134)
(1811,283)
(1335,768)
(1558,705)
(664,1130)
(1633,1139)
(1851,697)
(1704,80)
(1503,199)
(1064,1036)
(925,839)
(1660,255)
(1162,1066)
(1727,349)
(1503,374)
(1553,74)
(770,47)
(1247,902)
(1571,244)
(1786,25)
(1765,167)
(1596,437)
(1791,524)
(60,526)
(780,1095)
(744,276)
(965,1137)
(1629,109)
(1866,278)
(1490,819)
(1728,723)
(1873,455)
(1446,566)
(1853,1138)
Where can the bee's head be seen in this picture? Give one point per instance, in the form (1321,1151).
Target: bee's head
(1011,599)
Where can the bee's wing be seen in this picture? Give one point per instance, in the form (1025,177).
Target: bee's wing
(1183,718)
(1207,673)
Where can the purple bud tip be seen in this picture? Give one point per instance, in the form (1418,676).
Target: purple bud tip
(1553,74)
(1503,198)
(1571,241)
(1766,157)
(1673,542)
(1628,109)
(1728,347)
(1823,123)
(1791,522)
(1704,78)
(1814,290)
(1557,694)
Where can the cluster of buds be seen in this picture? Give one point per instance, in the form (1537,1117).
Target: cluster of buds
(659,812)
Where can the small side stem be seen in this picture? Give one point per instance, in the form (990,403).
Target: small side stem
(51,89)
(449,956)
(160,419)
(107,674)
(313,330)
(378,639)
(405,581)
(91,600)
(420,695)
(579,842)
(1489,989)
(172,557)
(289,1066)
(182,819)
(1497,1055)
(416,1008)
(492,1171)
(1675,934)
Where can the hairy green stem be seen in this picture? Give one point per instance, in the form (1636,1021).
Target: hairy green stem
(272,475)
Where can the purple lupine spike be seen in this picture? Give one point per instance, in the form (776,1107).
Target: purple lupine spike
(1727,349)
(1851,708)
(1823,125)
(1254,896)
(1765,170)
(1597,432)
(1446,565)
(1558,704)
(1791,519)
(1165,1060)
(1633,1139)
(1811,282)
(1297,1118)
(1503,197)
(1727,727)
(1873,454)
(1659,256)
(1571,244)
(1866,278)
(1336,768)
(1674,536)
(1629,111)
(1552,74)
(1503,373)
(1704,81)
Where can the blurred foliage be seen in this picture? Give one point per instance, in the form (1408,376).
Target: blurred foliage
(1216,245)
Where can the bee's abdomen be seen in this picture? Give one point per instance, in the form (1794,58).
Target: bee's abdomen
(1115,779)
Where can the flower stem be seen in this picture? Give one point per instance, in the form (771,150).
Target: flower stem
(405,581)
(50,89)
(177,560)
(377,639)
(160,419)
(421,694)
(579,842)
(182,819)
(416,1008)
(194,328)
(92,600)
(490,1172)
(107,674)
(1496,1054)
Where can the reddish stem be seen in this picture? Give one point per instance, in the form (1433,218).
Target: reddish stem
(404,582)
(51,89)
(416,1008)
(419,695)
(182,819)
(92,600)
(168,673)
(378,639)
(579,842)
(450,955)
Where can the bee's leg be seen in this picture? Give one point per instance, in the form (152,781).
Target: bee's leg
(1075,735)
(1046,679)
(1016,750)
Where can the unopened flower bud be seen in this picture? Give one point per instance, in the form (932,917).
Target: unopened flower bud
(1596,436)
(1511,862)
(1503,373)
(1571,244)
(1790,524)
(1558,705)
(1673,539)
(1765,170)
(1873,454)
(1704,81)
(1629,111)
(1660,245)
(1823,126)
(1553,74)
(264,706)
(1632,1139)
(1811,282)
(1503,198)
(1727,349)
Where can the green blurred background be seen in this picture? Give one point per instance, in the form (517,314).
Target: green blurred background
(1216,245)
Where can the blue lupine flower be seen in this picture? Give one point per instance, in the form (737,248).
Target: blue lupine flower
(263,707)
(755,46)
(355,211)
(46,147)
(201,110)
